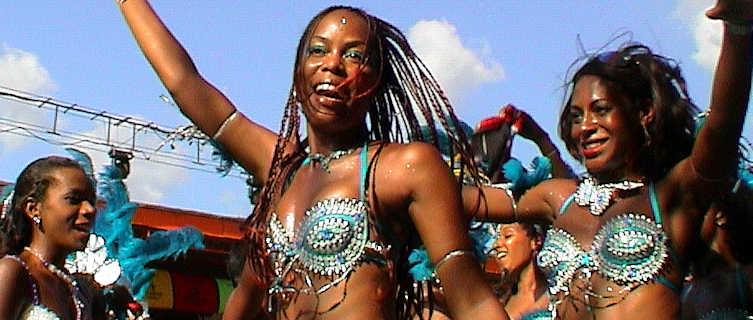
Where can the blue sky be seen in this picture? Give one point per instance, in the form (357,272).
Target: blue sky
(485,54)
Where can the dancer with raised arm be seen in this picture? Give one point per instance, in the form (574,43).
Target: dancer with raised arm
(340,209)
(620,237)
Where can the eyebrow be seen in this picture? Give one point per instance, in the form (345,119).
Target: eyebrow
(320,38)
(349,44)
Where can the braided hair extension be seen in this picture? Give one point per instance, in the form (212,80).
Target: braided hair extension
(650,81)
(405,86)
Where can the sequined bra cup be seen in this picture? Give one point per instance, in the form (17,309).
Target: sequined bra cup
(35,311)
(331,241)
(629,249)
(538,315)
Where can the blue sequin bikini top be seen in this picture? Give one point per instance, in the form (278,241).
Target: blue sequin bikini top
(628,249)
(332,239)
(542,314)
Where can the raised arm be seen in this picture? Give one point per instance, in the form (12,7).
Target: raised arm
(531,130)
(714,155)
(435,208)
(206,106)
(536,205)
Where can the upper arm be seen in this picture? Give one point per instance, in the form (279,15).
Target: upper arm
(246,300)
(714,152)
(434,198)
(13,289)
(495,204)
(540,203)
(249,143)
(437,213)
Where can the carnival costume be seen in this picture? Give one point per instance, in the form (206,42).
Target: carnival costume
(333,239)
(37,311)
(629,249)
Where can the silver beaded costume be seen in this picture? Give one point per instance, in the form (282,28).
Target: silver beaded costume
(331,241)
(629,250)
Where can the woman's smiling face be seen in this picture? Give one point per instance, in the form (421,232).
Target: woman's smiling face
(606,138)
(67,210)
(336,81)
(514,247)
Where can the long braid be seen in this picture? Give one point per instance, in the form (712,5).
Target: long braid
(406,97)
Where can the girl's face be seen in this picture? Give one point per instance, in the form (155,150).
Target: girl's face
(607,140)
(514,248)
(336,79)
(67,210)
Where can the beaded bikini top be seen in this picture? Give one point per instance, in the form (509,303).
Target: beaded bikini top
(332,239)
(629,249)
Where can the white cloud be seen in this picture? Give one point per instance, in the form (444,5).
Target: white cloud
(458,69)
(149,181)
(21,70)
(707,33)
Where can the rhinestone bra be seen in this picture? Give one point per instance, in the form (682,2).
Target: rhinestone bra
(629,249)
(332,239)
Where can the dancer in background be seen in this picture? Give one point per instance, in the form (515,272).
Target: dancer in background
(619,244)
(339,210)
(720,284)
(48,216)
(522,286)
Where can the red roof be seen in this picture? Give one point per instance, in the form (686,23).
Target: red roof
(164,218)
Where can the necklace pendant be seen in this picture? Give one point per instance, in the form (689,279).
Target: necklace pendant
(598,197)
(324,160)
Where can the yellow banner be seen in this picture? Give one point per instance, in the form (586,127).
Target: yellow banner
(160,293)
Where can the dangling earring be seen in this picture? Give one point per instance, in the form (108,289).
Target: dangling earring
(646,135)
(38,221)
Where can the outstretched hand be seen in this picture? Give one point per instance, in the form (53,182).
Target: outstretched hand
(735,11)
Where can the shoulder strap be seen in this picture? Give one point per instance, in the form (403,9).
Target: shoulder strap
(567,203)
(364,169)
(656,209)
(654,202)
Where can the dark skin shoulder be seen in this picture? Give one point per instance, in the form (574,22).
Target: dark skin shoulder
(15,292)
(414,179)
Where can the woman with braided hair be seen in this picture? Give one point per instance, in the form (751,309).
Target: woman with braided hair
(340,209)
(621,236)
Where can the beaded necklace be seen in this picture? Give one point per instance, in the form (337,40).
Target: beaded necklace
(598,197)
(72,283)
(324,160)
